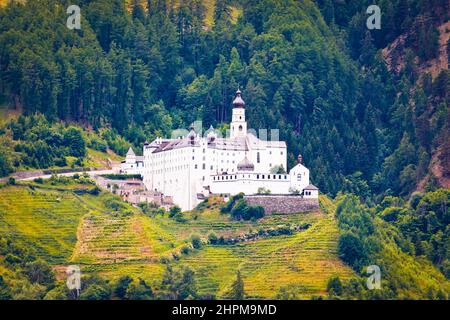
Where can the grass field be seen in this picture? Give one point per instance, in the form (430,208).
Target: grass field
(77,229)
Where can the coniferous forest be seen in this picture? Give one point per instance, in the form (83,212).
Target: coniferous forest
(310,69)
(368,110)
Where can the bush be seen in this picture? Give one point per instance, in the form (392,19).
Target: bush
(121,286)
(174,212)
(185,250)
(230,204)
(212,238)
(392,213)
(95,292)
(351,250)
(95,191)
(196,242)
(11,181)
(334,286)
(39,272)
(241,210)
(114,204)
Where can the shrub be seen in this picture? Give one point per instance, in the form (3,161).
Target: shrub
(95,191)
(196,242)
(121,286)
(39,180)
(334,286)
(351,250)
(212,238)
(241,210)
(174,212)
(391,214)
(114,204)
(185,250)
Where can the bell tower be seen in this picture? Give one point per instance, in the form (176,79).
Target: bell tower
(238,125)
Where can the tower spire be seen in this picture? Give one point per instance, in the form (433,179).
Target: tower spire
(238,102)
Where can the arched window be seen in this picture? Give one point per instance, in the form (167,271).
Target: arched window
(240,128)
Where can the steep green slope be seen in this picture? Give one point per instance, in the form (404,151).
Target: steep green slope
(43,219)
(366,239)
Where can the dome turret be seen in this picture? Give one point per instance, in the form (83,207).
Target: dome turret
(238,102)
(245,165)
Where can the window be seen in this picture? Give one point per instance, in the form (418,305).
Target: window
(299,177)
(263,176)
(257,176)
(204,167)
(195,167)
(240,128)
(258,158)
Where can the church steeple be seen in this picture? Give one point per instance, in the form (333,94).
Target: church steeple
(238,102)
(238,124)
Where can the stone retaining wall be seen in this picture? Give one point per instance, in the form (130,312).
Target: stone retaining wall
(283,204)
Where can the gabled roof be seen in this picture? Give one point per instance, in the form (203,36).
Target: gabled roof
(130,153)
(311,187)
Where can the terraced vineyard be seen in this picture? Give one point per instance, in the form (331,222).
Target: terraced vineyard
(44,219)
(70,229)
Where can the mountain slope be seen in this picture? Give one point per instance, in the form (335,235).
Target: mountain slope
(112,245)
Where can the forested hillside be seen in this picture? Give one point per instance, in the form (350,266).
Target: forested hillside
(310,69)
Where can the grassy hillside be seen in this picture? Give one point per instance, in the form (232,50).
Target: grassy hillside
(67,228)
(45,219)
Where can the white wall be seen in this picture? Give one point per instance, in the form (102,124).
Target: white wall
(249,183)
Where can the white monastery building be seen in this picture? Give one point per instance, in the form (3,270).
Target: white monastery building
(192,167)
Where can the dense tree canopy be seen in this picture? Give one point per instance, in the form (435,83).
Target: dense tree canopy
(308,69)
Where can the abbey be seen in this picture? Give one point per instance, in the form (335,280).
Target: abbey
(192,167)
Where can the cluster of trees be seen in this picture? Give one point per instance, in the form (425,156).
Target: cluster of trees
(238,208)
(392,235)
(24,276)
(35,142)
(425,221)
(177,284)
(38,144)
